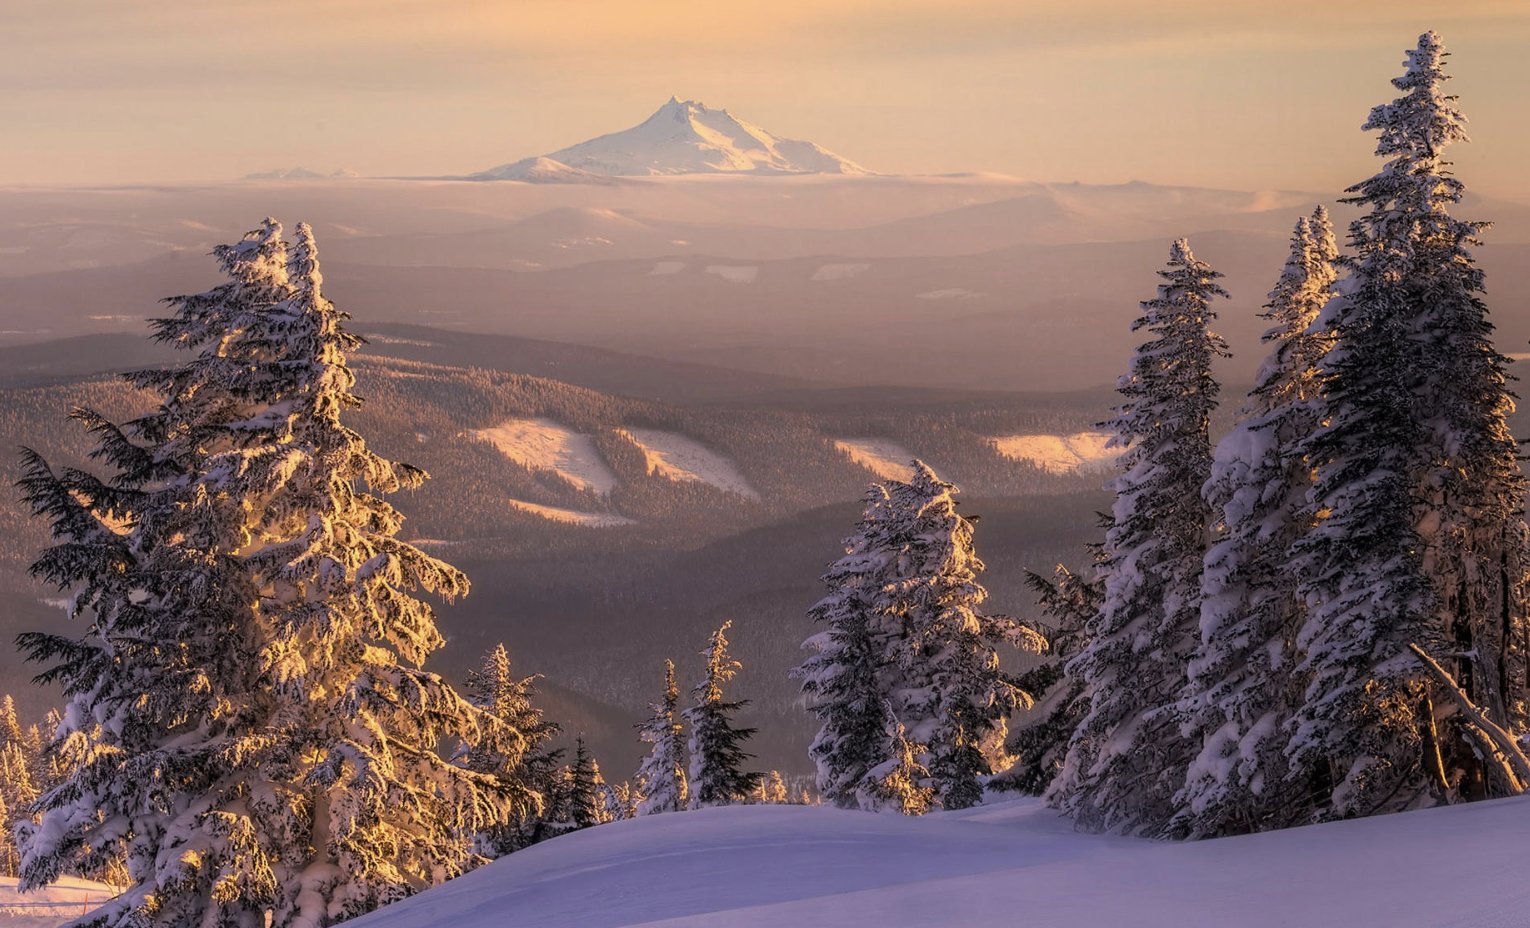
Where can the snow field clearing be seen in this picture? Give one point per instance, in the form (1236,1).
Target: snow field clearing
(1011,863)
(735,273)
(685,459)
(665,268)
(62,902)
(949,293)
(1059,454)
(840,271)
(887,459)
(543,444)
(572,516)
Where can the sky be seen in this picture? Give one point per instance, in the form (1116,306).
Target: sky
(1246,94)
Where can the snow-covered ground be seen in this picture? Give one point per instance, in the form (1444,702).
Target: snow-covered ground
(1059,454)
(1013,863)
(62,902)
(887,459)
(735,273)
(543,444)
(840,271)
(572,516)
(949,293)
(680,458)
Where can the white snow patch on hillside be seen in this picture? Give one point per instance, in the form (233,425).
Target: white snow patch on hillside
(569,517)
(735,273)
(685,459)
(543,444)
(58,904)
(1059,454)
(887,459)
(665,268)
(840,271)
(949,293)
(1012,863)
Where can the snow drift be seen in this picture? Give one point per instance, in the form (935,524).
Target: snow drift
(1011,863)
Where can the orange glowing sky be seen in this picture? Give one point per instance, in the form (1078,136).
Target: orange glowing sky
(1236,93)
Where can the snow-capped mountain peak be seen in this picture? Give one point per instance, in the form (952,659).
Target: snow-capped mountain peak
(681,137)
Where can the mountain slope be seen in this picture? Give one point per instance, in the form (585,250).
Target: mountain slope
(681,137)
(1012,863)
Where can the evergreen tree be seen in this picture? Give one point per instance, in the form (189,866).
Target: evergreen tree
(1419,538)
(952,695)
(661,780)
(716,749)
(515,753)
(584,788)
(17,794)
(10,858)
(773,789)
(1126,759)
(255,734)
(1243,685)
(901,783)
(846,680)
(10,726)
(618,801)
(1070,602)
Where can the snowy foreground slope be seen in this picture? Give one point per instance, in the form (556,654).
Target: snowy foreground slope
(62,902)
(1014,863)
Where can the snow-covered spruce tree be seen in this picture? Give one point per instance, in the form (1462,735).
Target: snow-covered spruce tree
(661,779)
(514,753)
(1069,601)
(716,749)
(618,801)
(17,794)
(948,689)
(10,723)
(584,788)
(254,732)
(1420,537)
(773,789)
(1126,759)
(160,688)
(1243,681)
(845,681)
(901,783)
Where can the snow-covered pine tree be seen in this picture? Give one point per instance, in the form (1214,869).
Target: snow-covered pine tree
(1243,684)
(1069,601)
(845,682)
(1126,759)
(717,775)
(901,783)
(17,794)
(773,789)
(584,788)
(10,724)
(515,754)
(10,857)
(255,733)
(661,779)
(1420,537)
(618,801)
(949,691)
(160,708)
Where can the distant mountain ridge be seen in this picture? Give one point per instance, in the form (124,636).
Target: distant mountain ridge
(681,137)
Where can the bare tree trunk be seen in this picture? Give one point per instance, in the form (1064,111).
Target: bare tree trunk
(1502,747)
